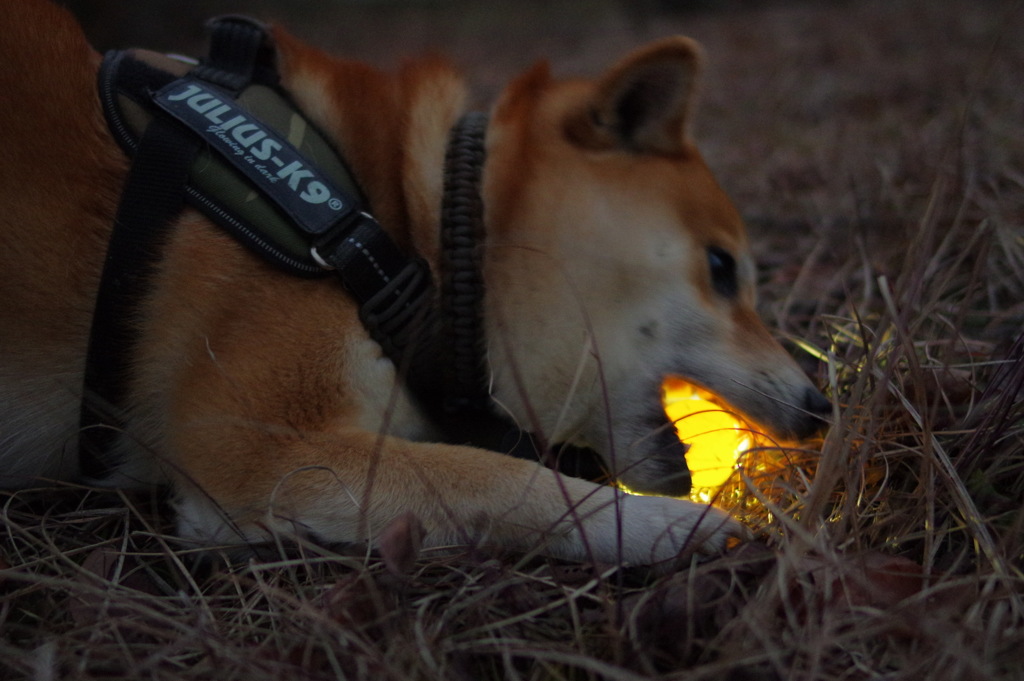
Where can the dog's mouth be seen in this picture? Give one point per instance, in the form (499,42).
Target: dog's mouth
(716,434)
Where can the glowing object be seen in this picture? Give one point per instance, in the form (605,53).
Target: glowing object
(716,436)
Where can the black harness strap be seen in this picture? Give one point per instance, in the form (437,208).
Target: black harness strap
(152,198)
(395,295)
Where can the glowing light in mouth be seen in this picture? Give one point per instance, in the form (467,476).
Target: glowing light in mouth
(717,437)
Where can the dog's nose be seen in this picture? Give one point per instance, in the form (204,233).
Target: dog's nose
(816,403)
(815,406)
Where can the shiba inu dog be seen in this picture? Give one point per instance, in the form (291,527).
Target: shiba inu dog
(609,259)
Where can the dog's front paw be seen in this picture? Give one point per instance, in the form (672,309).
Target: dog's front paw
(649,530)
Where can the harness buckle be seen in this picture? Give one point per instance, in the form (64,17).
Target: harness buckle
(330,242)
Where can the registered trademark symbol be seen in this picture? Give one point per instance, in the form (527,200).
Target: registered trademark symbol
(335,204)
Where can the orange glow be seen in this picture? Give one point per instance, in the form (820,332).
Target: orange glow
(716,437)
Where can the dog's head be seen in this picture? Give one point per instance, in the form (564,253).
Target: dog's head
(614,260)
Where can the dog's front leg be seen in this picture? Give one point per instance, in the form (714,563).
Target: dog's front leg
(349,486)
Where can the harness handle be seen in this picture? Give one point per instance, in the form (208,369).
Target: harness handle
(239,46)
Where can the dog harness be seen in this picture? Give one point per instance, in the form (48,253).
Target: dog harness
(223,137)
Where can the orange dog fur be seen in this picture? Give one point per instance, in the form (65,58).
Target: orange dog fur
(261,397)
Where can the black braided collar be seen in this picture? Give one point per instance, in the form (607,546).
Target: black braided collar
(464,409)
(467,412)
(462,287)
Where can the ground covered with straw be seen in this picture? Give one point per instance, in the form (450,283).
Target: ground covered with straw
(876,149)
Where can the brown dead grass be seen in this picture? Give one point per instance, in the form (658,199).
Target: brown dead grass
(876,149)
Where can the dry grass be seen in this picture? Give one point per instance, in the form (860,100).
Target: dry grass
(876,149)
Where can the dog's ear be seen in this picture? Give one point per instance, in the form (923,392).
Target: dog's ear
(643,103)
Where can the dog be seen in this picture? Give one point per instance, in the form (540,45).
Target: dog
(611,259)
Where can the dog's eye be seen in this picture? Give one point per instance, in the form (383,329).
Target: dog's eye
(723,272)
